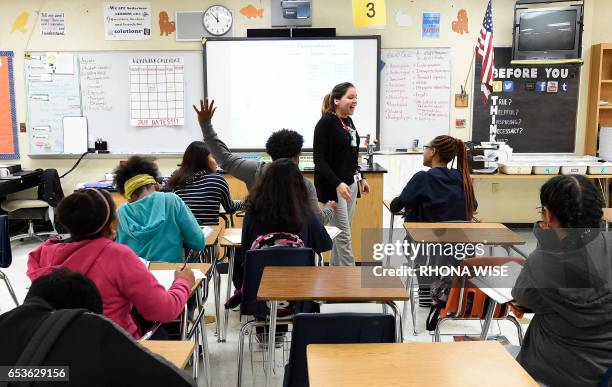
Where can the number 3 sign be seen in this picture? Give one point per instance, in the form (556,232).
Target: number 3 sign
(369,13)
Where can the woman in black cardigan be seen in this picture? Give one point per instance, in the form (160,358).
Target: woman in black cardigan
(336,158)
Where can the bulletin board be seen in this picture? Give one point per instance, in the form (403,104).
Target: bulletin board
(9,146)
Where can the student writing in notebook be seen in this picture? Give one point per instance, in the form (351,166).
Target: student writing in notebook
(122,279)
(567,283)
(201,187)
(156,225)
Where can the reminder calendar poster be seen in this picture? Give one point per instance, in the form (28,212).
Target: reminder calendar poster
(157,93)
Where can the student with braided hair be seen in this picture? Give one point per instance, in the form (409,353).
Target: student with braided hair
(440,194)
(567,283)
(122,279)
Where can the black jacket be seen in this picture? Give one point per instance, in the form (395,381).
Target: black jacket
(336,161)
(97,351)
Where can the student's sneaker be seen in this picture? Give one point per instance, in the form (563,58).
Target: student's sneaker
(425,300)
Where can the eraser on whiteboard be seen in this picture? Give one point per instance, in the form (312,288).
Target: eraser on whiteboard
(401,150)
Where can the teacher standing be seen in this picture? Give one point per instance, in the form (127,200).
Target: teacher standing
(336,157)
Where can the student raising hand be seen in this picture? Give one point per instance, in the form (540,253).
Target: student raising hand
(206,112)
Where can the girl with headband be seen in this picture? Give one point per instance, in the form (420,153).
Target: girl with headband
(156,225)
(124,282)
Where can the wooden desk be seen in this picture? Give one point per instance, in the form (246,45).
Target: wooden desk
(213,237)
(334,283)
(491,234)
(478,363)
(231,253)
(176,352)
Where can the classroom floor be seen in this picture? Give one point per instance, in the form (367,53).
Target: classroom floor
(223,356)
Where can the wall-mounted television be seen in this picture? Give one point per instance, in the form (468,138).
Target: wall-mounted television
(547,35)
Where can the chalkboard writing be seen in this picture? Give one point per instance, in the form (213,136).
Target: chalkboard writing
(533,107)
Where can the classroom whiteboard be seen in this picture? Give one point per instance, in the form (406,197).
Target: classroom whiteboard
(264,85)
(415,96)
(99,86)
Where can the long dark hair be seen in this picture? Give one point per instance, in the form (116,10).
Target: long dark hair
(337,93)
(195,159)
(279,199)
(574,201)
(448,148)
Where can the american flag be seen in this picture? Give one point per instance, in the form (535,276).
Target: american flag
(485,53)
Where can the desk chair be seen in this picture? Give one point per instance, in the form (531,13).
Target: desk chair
(50,193)
(333,328)
(470,303)
(254,263)
(6,255)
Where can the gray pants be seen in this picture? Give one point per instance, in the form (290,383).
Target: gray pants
(342,252)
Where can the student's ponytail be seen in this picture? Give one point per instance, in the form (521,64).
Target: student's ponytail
(464,168)
(448,148)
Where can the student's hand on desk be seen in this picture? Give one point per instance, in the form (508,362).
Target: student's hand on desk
(345,191)
(206,112)
(365,187)
(186,273)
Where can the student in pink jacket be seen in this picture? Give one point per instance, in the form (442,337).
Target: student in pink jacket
(122,279)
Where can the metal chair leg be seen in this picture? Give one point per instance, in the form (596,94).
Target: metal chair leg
(4,277)
(518,326)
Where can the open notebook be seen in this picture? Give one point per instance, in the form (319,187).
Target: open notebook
(166,277)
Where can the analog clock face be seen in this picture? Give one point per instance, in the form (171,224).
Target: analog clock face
(218,20)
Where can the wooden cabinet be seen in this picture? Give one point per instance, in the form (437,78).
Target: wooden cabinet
(599,115)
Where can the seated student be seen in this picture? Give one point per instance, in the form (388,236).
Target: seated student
(278,203)
(156,225)
(201,187)
(567,283)
(440,194)
(96,350)
(123,280)
(281,144)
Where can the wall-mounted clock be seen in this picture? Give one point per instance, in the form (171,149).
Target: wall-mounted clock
(217,20)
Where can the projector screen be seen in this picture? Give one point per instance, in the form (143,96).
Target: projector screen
(263,85)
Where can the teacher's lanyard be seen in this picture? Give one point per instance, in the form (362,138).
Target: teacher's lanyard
(351,132)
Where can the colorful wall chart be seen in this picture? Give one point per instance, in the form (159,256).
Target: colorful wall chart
(9,147)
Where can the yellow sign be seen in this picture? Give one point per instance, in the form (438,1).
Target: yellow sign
(369,13)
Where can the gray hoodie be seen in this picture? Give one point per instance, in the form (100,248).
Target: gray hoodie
(569,288)
(249,170)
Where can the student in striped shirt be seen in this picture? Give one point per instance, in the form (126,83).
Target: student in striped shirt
(201,187)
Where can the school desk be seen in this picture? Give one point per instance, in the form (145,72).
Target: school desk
(476,363)
(200,292)
(368,213)
(607,215)
(230,246)
(488,234)
(332,284)
(176,352)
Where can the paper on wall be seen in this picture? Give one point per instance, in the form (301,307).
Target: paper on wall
(127,21)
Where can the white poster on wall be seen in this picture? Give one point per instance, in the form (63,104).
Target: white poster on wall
(127,21)
(52,24)
(157,93)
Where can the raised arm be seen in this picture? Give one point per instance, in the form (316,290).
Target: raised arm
(241,168)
